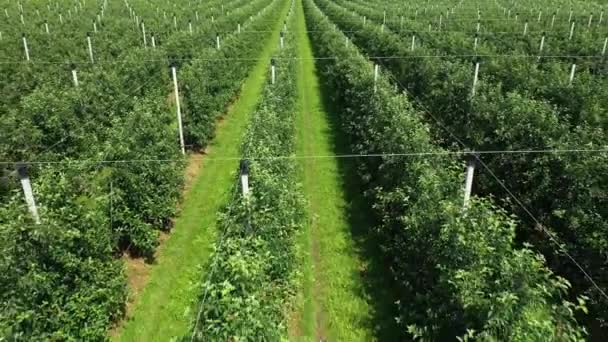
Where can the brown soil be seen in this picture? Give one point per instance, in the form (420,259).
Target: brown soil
(138,269)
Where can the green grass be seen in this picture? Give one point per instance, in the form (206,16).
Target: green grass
(345,293)
(167,304)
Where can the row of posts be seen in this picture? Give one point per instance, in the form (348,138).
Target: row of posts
(23,171)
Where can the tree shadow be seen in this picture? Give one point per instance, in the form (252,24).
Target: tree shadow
(380,289)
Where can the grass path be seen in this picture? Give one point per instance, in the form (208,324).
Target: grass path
(342,296)
(165,308)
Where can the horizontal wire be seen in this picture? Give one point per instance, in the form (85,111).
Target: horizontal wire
(299,157)
(552,237)
(124,61)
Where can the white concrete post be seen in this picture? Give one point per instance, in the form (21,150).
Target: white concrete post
(572,71)
(27,191)
(25,48)
(244,170)
(90,47)
(74,76)
(542,45)
(179,111)
(376,73)
(571,30)
(143,33)
(475,79)
(468,186)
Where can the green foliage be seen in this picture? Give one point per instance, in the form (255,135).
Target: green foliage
(520,104)
(457,269)
(60,279)
(254,262)
(115,170)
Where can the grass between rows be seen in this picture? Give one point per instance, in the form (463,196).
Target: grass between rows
(167,304)
(343,295)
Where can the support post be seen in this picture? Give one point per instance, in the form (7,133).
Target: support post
(179,111)
(572,71)
(143,33)
(272,71)
(27,191)
(90,47)
(74,75)
(25,48)
(542,45)
(244,171)
(468,186)
(571,30)
(475,78)
(376,73)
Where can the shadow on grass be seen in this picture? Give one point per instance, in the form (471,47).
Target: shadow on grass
(380,288)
